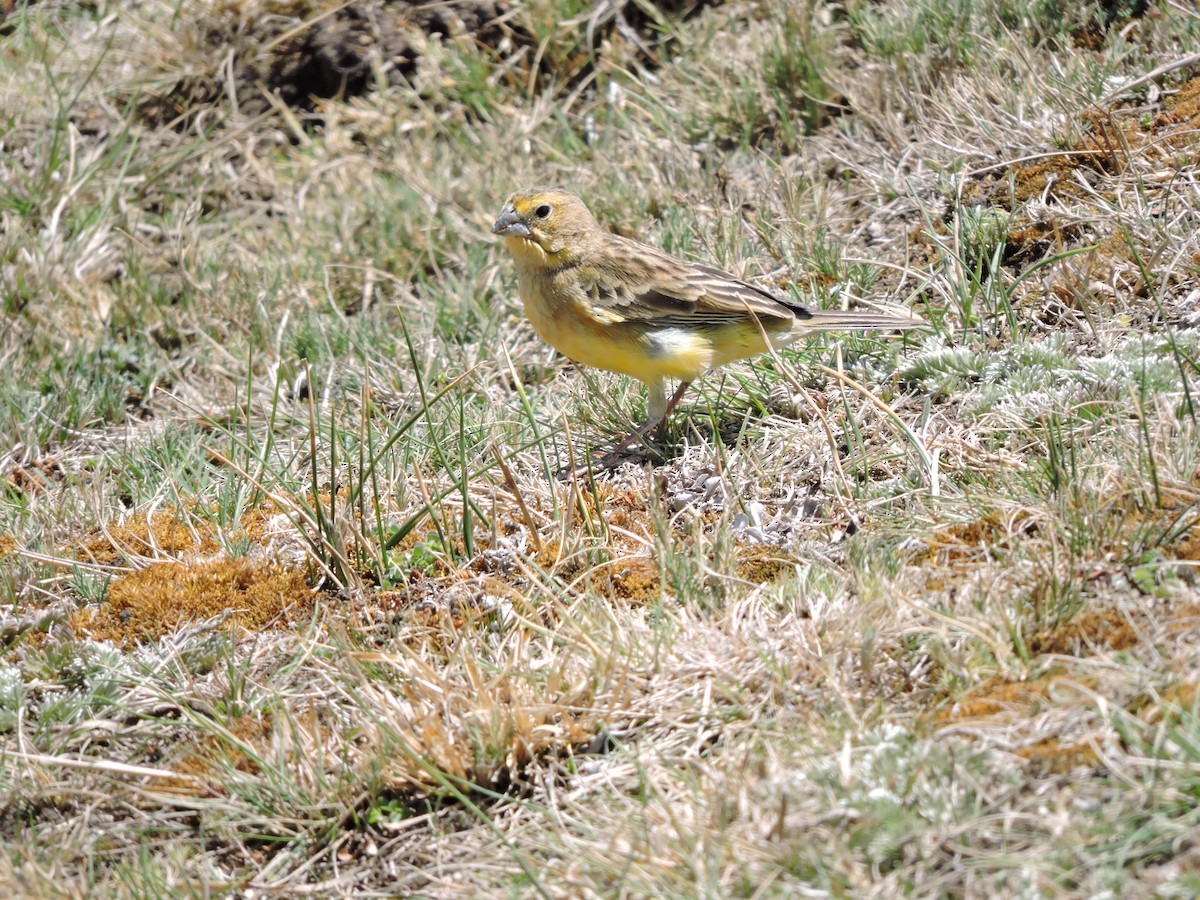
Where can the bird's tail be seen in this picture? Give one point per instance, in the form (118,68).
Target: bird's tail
(854,320)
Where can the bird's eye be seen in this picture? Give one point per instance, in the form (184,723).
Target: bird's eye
(542,211)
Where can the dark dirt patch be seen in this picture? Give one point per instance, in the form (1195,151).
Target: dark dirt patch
(1111,143)
(1111,15)
(1027,243)
(333,56)
(305,52)
(299,52)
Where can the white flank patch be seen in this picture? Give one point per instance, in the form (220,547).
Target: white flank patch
(674,342)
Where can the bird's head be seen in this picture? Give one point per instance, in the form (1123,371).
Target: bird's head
(546,227)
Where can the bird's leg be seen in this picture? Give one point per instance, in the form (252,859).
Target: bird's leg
(657,410)
(674,401)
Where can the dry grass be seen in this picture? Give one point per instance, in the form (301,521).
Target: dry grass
(297,605)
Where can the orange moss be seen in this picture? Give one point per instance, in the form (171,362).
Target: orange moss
(152,602)
(1011,704)
(1051,177)
(1185,618)
(1051,756)
(967,541)
(1105,628)
(1169,704)
(761,567)
(626,509)
(1175,128)
(256,523)
(1186,547)
(997,697)
(37,476)
(1117,246)
(550,556)
(209,755)
(166,534)
(1001,698)
(636,579)
(8,544)
(1103,151)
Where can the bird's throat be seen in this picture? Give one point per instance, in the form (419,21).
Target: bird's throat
(530,256)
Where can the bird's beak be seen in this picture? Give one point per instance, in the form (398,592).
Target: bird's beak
(510,225)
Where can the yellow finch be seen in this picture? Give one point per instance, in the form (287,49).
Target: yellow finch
(617,304)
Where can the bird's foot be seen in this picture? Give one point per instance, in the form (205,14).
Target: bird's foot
(617,454)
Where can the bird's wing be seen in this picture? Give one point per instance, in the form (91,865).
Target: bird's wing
(649,286)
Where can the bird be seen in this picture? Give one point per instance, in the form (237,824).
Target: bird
(614,303)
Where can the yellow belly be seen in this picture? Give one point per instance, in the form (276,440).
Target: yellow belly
(626,347)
